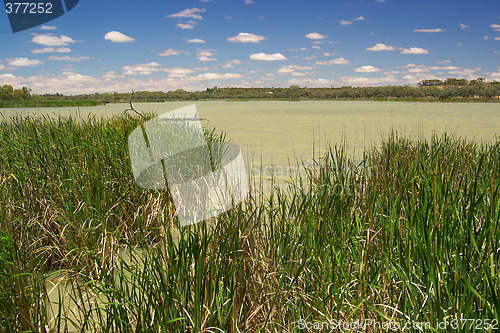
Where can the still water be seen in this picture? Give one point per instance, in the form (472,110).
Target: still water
(276,132)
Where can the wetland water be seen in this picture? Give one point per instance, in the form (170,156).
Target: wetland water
(276,132)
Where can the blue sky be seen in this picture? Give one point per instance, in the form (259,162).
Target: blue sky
(112,45)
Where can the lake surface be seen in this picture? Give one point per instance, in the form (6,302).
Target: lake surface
(276,132)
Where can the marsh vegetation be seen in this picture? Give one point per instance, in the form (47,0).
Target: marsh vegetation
(418,239)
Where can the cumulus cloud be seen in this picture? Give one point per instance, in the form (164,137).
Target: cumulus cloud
(190,12)
(189,25)
(21,62)
(178,72)
(315,35)
(338,61)
(345,22)
(68,58)
(249,2)
(217,76)
(141,69)
(267,57)
(112,75)
(414,50)
(230,64)
(118,37)
(291,69)
(367,81)
(52,40)
(48,27)
(170,52)
(381,47)
(429,30)
(206,55)
(52,49)
(196,40)
(245,37)
(496,27)
(367,69)
(463,26)
(467,72)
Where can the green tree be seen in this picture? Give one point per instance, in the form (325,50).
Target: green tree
(17,94)
(6,92)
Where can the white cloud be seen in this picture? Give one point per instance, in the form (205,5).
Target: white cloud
(142,69)
(292,69)
(345,22)
(189,25)
(230,64)
(52,40)
(206,0)
(367,81)
(494,76)
(418,70)
(196,40)
(178,72)
(2,67)
(463,26)
(338,61)
(496,38)
(67,58)
(170,52)
(443,62)
(381,47)
(267,57)
(190,12)
(228,17)
(118,37)
(206,55)
(52,49)
(18,62)
(48,27)
(245,37)
(217,76)
(112,75)
(367,69)
(414,50)
(249,2)
(317,47)
(496,27)
(429,30)
(315,35)
(466,72)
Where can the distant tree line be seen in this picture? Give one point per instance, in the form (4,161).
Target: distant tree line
(7,92)
(450,88)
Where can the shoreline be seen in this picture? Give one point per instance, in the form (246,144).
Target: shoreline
(57,103)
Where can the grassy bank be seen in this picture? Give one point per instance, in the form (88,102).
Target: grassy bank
(410,233)
(35,103)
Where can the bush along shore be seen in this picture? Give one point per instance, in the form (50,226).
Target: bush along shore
(417,240)
(449,90)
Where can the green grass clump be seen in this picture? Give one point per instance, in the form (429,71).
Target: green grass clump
(409,233)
